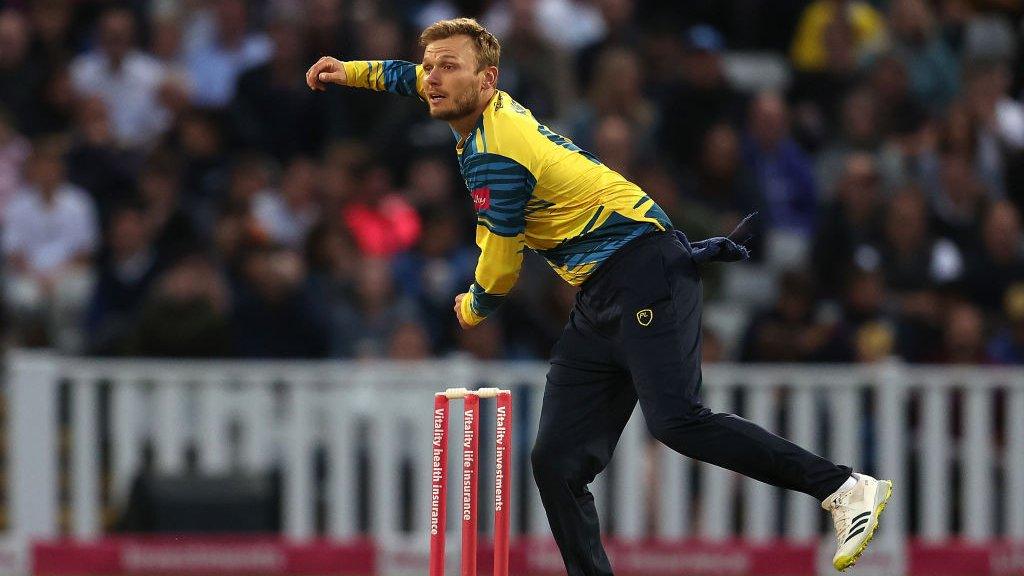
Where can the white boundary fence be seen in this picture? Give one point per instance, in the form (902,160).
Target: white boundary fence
(922,426)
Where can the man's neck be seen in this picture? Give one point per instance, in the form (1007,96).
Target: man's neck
(465,125)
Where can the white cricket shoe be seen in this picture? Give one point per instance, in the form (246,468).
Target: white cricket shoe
(855,512)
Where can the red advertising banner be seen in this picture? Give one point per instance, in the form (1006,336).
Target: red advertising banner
(270,556)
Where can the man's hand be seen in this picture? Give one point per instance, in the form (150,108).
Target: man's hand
(326,71)
(458,311)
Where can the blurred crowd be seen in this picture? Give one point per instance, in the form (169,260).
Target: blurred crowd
(170,187)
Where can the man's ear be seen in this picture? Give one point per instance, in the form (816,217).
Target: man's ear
(490,78)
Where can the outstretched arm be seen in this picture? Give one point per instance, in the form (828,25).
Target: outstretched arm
(395,76)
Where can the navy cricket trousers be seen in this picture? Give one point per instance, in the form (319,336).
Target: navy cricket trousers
(634,334)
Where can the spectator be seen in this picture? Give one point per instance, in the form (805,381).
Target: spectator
(616,90)
(126,271)
(362,327)
(49,238)
(720,191)
(431,184)
(439,266)
(621,31)
(535,69)
(849,234)
(159,184)
(865,330)
(959,202)
(915,265)
(14,150)
(409,341)
(998,123)
(20,80)
(1007,345)
(789,331)
(614,145)
(700,99)
(96,162)
(998,263)
(286,216)
(275,314)
(810,49)
(931,65)
(126,79)
(206,170)
(185,315)
(381,221)
(782,171)
(219,47)
(859,132)
(910,157)
(273,110)
(964,336)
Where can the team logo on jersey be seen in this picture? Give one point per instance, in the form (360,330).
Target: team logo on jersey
(481,198)
(645,316)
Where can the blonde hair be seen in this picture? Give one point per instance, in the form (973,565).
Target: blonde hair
(488,51)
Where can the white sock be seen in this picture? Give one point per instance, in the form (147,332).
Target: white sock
(849,484)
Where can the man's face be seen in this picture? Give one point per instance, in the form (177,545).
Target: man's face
(454,85)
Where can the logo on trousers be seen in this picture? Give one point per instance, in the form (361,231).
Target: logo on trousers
(644,317)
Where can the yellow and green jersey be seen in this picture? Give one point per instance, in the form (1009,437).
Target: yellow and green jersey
(531,188)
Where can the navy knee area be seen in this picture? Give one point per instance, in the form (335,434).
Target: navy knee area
(667,427)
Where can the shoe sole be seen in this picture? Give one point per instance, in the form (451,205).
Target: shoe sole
(845,562)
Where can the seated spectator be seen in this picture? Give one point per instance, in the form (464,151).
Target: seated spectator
(614,145)
(286,215)
(199,142)
(700,99)
(910,156)
(273,109)
(361,326)
(809,51)
(997,261)
(432,184)
(860,131)
(96,162)
(49,239)
(125,78)
(14,150)
(274,313)
(127,269)
(916,265)
(382,222)
(185,315)
(409,341)
(159,189)
(219,47)
(720,190)
(440,266)
(20,75)
(789,331)
(782,171)
(1007,345)
(616,90)
(534,68)
(963,336)
(849,233)
(931,65)
(960,201)
(865,317)
(998,123)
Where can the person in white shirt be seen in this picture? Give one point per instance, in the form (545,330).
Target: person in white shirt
(219,47)
(126,79)
(48,241)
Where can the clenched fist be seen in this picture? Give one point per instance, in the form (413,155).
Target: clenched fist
(326,71)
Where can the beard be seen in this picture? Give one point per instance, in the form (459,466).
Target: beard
(461,106)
